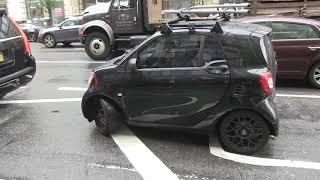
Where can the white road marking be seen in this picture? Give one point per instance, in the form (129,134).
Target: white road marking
(298,96)
(111,167)
(72,89)
(35,101)
(72,62)
(278,95)
(144,161)
(216,150)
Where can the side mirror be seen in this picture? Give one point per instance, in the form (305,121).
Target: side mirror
(132,65)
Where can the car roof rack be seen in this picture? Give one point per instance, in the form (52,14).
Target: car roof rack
(222,12)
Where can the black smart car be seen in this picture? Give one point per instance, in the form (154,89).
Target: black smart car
(17,65)
(194,75)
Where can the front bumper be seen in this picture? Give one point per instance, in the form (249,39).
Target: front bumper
(17,79)
(40,38)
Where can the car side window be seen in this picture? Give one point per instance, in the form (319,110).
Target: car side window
(284,30)
(172,51)
(7,29)
(212,50)
(123,4)
(68,23)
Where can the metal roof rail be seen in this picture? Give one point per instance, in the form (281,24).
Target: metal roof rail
(234,8)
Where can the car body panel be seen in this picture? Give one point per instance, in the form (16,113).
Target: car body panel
(187,98)
(63,33)
(295,57)
(16,67)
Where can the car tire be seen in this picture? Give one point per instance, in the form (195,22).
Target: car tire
(314,75)
(243,132)
(97,46)
(49,41)
(108,119)
(32,37)
(67,43)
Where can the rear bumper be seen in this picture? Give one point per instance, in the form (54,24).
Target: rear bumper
(268,110)
(17,79)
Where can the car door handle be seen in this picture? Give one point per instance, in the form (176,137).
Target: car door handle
(314,48)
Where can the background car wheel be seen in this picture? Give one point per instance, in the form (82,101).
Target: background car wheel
(66,43)
(243,132)
(108,119)
(32,37)
(314,75)
(97,46)
(49,41)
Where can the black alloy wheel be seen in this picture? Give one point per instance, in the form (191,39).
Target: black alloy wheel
(108,119)
(243,132)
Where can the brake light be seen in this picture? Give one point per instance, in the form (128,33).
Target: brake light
(26,43)
(266,82)
(93,79)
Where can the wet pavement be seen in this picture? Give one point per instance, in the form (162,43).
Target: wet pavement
(52,140)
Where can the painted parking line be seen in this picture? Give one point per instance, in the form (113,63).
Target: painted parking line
(72,89)
(144,161)
(72,62)
(36,101)
(216,150)
(278,95)
(298,96)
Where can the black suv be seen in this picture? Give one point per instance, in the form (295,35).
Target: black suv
(203,76)
(17,65)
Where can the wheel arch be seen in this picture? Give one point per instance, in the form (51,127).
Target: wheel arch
(89,105)
(49,33)
(99,26)
(225,114)
(317,61)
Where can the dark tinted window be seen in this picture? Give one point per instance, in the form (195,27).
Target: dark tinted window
(284,30)
(7,28)
(180,51)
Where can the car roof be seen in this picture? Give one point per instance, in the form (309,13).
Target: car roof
(279,18)
(227,27)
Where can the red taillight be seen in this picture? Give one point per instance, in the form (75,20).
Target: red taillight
(24,38)
(266,82)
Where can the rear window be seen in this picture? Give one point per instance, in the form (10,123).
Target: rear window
(263,49)
(7,29)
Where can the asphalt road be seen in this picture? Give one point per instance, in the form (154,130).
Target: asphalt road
(48,138)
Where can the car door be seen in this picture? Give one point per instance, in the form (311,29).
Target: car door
(180,80)
(295,45)
(127,16)
(68,31)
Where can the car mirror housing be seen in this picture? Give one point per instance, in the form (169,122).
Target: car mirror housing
(132,65)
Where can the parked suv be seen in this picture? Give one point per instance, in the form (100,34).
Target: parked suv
(17,65)
(296,42)
(66,33)
(192,76)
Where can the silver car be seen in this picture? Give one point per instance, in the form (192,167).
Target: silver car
(66,32)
